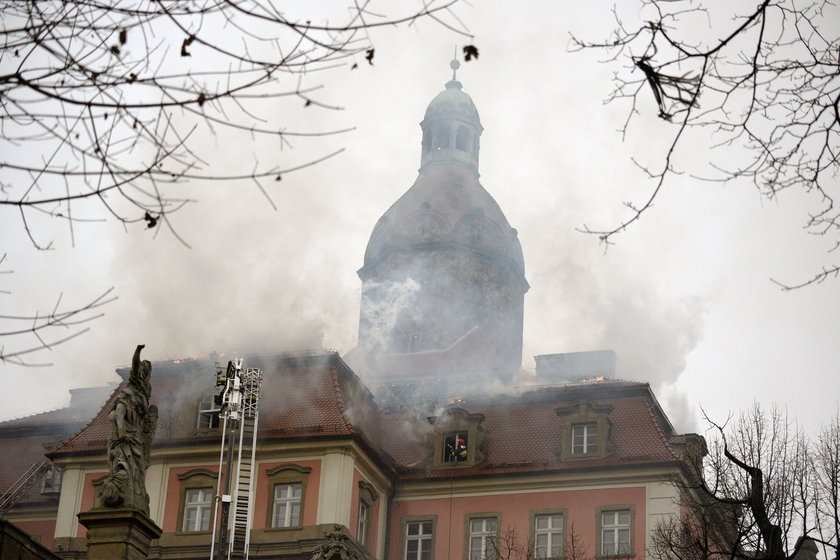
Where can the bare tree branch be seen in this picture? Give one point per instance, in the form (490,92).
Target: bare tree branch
(769,84)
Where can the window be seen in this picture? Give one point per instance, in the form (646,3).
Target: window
(615,532)
(52,480)
(364,522)
(286,509)
(287,500)
(482,534)
(208,413)
(442,139)
(548,535)
(585,432)
(458,438)
(584,438)
(455,447)
(197,492)
(197,509)
(418,540)
(462,138)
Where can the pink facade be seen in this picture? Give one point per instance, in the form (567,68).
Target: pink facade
(513,511)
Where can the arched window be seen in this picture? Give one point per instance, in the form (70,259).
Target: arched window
(442,136)
(427,141)
(208,413)
(462,140)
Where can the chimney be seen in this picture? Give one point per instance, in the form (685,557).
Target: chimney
(573,367)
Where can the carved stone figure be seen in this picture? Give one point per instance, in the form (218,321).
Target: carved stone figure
(133,421)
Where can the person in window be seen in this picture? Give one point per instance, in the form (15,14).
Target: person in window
(461,450)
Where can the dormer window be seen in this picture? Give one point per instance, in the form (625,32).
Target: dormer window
(584,438)
(458,437)
(455,447)
(208,413)
(586,431)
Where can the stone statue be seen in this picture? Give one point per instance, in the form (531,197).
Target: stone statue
(133,421)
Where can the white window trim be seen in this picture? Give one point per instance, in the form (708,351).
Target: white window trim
(363,522)
(288,501)
(552,532)
(614,528)
(487,551)
(590,438)
(421,538)
(202,509)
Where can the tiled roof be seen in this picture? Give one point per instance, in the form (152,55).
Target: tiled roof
(24,441)
(318,396)
(522,434)
(302,396)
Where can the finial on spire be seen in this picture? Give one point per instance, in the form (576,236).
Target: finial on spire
(454,65)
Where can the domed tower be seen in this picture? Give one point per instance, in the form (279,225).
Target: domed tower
(443,280)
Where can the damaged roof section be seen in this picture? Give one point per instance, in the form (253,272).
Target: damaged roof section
(315,396)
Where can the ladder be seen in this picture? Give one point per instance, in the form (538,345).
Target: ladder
(22,485)
(239,401)
(243,495)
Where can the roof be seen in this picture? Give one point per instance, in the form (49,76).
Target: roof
(303,396)
(523,433)
(317,396)
(441,210)
(453,100)
(25,440)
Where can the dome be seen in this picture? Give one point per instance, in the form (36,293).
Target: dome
(446,208)
(452,102)
(451,129)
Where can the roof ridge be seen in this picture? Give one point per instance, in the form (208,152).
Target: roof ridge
(339,396)
(25,416)
(89,422)
(665,437)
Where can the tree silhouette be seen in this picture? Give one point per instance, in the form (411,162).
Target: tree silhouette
(762,85)
(106,107)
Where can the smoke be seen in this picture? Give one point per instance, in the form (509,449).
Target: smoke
(383,304)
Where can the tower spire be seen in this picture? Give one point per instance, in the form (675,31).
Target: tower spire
(455,64)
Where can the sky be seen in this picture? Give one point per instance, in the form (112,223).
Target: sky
(684,297)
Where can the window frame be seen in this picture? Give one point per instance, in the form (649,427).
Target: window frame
(405,522)
(207,407)
(532,516)
(281,475)
(599,530)
(590,440)
(457,420)
(468,519)
(579,413)
(195,479)
(369,497)
(275,486)
(363,522)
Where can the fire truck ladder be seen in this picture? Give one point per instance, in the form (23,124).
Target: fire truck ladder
(22,485)
(243,491)
(239,401)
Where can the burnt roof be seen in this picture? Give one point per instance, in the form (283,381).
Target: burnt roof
(316,396)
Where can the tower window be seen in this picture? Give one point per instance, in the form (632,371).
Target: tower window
(455,447)
(442,139)
(462,139)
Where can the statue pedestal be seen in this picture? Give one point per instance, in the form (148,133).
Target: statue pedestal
(118,534)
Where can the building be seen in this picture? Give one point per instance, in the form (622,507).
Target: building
(424,463)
